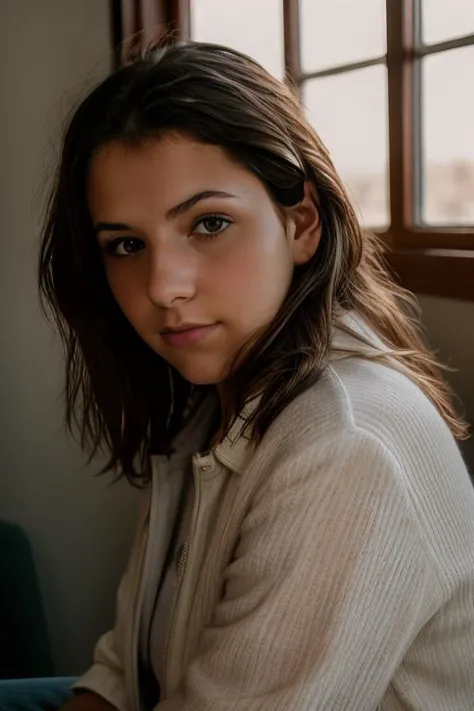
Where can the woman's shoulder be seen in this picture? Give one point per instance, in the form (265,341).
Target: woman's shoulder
(379,398)
(373,418)
(364,389)
(368,434)
(356,393)
(362,405)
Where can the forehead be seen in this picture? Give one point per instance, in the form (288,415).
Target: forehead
(164,170)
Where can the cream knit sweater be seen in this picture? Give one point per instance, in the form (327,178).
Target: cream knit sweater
(329,569)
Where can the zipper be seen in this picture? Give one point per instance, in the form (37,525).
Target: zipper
(137,600)
(168,561)
(180,576)
(180,573)
(136,624)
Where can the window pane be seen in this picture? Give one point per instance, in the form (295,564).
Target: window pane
(448,138)
(349,111)
(445,19)
(335,32)
(251,26)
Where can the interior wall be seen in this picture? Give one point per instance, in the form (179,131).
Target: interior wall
(450,330)
(78,525)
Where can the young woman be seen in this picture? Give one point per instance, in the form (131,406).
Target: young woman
(234,341)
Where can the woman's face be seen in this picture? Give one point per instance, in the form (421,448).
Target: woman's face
(195,252)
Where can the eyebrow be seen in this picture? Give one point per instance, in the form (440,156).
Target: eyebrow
(190,202)
(173,212)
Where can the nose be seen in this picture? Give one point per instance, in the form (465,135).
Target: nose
(171,277)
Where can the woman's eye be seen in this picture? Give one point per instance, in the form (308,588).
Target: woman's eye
(124,246)
(211,225)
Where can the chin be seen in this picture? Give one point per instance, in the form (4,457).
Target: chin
(202,375)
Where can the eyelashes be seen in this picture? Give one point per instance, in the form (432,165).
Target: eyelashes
(123,246)
(214,224)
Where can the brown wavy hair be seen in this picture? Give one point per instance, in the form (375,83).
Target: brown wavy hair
(119,393)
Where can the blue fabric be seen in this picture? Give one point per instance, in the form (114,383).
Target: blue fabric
(44,694)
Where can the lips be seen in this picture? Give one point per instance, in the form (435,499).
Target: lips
(186,335)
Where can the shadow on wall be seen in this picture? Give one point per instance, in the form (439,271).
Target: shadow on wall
(450,329)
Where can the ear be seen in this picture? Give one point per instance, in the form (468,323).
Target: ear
(303,225)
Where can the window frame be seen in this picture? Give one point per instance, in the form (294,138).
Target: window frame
(437,261)
(405,52)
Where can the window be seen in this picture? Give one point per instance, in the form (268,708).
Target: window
(386,84)
(343,79)
(230,25)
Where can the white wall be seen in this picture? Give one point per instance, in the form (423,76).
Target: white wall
(79,527)
(450,329)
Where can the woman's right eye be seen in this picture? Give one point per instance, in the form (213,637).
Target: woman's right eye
(124,246)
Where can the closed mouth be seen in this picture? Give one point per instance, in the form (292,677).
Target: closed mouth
(186,335)
(185,327)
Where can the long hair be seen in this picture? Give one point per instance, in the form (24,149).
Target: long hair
(119,393)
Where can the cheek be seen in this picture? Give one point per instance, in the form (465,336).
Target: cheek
(118,285)
(127,289)
(255,279)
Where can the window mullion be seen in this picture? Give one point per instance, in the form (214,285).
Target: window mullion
(135,23)
(417,197)
(179,17)
(400,66)
(291,30)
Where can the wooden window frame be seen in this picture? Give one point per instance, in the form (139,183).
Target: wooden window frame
(434,261)
(134,23)
(427,260)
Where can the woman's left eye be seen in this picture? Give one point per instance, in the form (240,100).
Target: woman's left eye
(211,225)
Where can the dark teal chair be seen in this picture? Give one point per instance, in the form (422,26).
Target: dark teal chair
(34,694)
(25,649)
